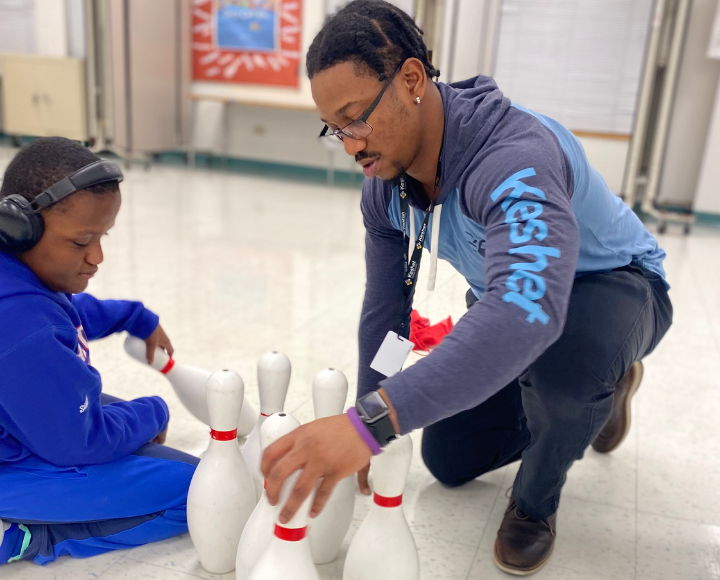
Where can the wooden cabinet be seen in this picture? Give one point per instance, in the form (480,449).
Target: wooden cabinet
(44,96)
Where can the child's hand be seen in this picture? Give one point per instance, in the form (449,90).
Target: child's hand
(161,437)
(158,338)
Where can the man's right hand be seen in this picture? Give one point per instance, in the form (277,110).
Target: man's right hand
(363,480)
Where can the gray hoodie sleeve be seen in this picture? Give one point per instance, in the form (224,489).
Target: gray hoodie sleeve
(520,192)
(384,307)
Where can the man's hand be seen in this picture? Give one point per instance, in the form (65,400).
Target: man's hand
(329,449)
(158,338)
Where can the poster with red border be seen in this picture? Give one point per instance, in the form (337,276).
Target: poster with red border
(247,41)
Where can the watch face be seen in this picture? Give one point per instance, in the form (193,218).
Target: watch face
(373,405)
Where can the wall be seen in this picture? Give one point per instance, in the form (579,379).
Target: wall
(267,134)
(708,191)
(288,136)
(51,28)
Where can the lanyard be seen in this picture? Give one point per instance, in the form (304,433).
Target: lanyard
(412,266)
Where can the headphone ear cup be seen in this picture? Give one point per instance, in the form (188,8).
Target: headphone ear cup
(19,231)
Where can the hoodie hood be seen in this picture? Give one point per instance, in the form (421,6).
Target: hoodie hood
(17,279)
(468,104)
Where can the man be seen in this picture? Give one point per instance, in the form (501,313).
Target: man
(567,286)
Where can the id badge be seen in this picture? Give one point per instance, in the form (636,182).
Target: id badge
(392,354)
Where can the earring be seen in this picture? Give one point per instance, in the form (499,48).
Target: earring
(417,100)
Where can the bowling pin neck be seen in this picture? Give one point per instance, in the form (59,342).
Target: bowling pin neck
(225,396)
(223,435)
(327,408)
(329,392)
(273,374)
(301,517)
(290,534)
(390,468)
(387,502)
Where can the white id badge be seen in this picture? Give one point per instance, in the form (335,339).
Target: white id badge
(392,354)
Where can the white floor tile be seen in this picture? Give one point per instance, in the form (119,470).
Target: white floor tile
(130,569)
(63,569)
(670,549)
(177,555)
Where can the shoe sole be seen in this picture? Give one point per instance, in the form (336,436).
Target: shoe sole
(517,571)
(628,405)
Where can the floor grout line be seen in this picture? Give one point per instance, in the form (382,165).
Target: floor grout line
(487,524)
(713,329)
(175,570)
(115,563)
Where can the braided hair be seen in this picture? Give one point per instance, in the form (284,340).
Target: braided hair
(371,33)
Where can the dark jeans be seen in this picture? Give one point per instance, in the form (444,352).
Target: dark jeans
(554,410)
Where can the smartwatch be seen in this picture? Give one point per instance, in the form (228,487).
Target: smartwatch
(375,414)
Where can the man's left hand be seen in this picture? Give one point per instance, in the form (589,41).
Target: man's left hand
(329,449)
(158,339)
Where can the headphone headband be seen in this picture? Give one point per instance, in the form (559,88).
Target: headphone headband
(98,172)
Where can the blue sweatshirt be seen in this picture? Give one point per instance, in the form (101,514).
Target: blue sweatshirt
(49,392)
(523,214)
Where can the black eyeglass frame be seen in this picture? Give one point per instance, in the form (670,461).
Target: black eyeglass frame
(340,133)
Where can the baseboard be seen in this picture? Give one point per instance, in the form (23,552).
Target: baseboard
(340,178)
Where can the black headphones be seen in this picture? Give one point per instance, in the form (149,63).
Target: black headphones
(22,226)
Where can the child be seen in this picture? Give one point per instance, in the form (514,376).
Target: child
(81,473)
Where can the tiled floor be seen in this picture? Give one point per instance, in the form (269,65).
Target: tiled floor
(238,265)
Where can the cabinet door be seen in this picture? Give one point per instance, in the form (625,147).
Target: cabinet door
(44,96)
(21,99)
(62,99)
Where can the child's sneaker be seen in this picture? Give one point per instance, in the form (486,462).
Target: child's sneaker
(14,540)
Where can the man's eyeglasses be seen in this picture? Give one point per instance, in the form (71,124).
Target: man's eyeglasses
(360,128)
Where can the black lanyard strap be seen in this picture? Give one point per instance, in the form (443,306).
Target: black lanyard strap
(412,266)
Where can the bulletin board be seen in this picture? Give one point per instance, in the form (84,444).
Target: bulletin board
(253,51)
(247,41)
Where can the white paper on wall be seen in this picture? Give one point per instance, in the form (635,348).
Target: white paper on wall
(577,61)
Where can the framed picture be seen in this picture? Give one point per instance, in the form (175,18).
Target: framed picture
(247,41)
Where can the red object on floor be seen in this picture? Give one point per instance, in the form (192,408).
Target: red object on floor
(425,336)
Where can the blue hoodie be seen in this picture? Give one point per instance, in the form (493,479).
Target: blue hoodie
(49,392)
(522,215)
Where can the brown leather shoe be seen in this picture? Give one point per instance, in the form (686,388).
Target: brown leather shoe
(618,424)
(523,544)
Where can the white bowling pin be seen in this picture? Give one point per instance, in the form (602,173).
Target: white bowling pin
(221,495)
(383,547)
(288,553)
(328,530)
(273,375)
(188,383)
(259,529)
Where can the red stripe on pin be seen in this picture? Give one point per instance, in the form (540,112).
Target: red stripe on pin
(290,534)
(265,415)
(168,367)
(387,502)
(223,435)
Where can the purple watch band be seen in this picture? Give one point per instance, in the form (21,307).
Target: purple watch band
(363,431)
